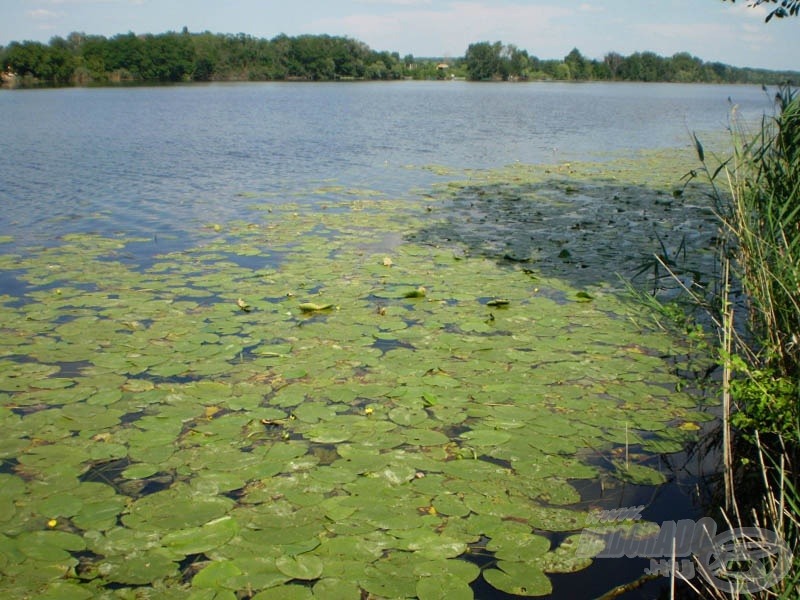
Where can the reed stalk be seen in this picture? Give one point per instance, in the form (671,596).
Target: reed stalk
(757,200)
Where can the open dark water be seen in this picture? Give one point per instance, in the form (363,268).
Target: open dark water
(159,161)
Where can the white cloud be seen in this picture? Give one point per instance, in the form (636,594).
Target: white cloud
(747,9)
(737,42)
(42,14)
(450,29)
(756,36)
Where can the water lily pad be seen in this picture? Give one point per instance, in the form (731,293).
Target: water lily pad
(556,519)
(391,577)
(443,587)
(99,514)
(303,566)
(139,568)
(216,575)
(408,416)
(518,546)
(474,470)
(257,572)
(430,544)
(174,509)
(59,505)
(286,592)
(140,471)
(451,504)
(573,554)
(49,546)
(486,437)
(519,579)
(425,437)
(336,589)
(65,591)
(196,540)
(329,433)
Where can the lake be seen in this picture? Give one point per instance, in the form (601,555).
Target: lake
(327,340)
(147,158)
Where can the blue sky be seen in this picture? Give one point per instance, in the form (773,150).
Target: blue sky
(711,29)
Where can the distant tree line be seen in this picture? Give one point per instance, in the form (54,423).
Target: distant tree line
(81,59)
(496,61)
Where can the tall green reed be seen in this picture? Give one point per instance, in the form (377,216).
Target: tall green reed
(757,198)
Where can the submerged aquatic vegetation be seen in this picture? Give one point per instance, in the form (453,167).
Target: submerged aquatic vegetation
(208,424)
(585,222)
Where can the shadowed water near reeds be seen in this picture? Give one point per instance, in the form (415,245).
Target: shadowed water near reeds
(419,398)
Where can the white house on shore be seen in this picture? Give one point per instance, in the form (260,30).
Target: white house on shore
(8,77)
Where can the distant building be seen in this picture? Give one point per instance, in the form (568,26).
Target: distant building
(443,71)
(8,77)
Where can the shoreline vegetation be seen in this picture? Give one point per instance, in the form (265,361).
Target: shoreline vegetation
(757,193)
(182,57)
(755,309)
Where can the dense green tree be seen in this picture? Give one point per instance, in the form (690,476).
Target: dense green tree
(484,61)
(579,67)
(518,62)
(686,68)
(25,58)
(167,57)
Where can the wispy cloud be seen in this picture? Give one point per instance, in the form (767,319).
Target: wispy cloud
(747,10)
(722,39)
(42,14)
(756,36)
(450,28)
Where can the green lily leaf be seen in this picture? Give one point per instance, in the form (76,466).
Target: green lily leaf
(519,579)
(139,568)
(303,566)
(443,587)
(49,546)
(196,540)
(216,575)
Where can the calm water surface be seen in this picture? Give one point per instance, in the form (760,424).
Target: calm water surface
(144,160)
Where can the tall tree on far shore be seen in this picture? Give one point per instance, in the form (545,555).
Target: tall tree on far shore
(485,61)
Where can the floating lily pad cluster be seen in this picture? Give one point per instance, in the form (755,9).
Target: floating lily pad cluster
(306,405)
